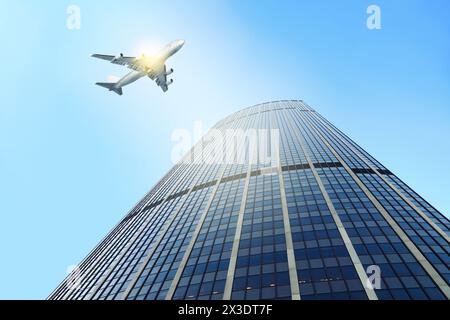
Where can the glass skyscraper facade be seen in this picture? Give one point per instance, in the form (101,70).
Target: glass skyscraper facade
(311,216)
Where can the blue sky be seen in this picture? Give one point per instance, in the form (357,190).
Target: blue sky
(75,158)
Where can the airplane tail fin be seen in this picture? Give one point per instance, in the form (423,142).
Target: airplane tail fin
(110,86)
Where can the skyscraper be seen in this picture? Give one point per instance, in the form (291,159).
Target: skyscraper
(273,203)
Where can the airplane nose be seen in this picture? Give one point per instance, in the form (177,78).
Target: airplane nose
(181,43)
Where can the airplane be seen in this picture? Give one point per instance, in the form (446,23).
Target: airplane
(152,66)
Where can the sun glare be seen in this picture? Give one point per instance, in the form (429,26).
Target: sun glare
(149,48)
(112,78)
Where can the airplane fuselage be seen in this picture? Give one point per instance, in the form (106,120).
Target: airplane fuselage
(129,78)
(153,65)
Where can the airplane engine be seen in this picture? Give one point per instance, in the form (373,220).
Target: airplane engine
(117,58)
(169,82)
(169,72)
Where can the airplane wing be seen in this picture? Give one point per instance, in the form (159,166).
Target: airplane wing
(130,62)
(103,57)
(161,80)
